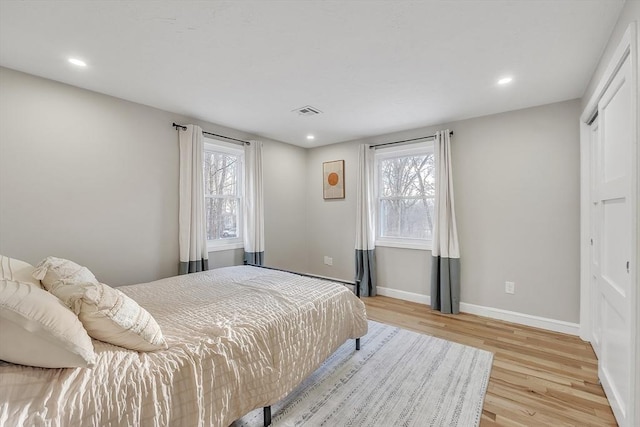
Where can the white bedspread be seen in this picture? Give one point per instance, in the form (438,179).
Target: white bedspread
(239,338)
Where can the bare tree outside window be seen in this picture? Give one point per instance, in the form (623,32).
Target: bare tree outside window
(406,194)
(222,196)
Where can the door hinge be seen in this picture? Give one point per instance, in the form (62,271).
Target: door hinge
(591,242)
(627,266)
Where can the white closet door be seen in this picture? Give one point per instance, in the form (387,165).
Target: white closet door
(613,218)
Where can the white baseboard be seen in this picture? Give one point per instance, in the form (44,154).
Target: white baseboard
(490,312)
(403,295)
(522,318)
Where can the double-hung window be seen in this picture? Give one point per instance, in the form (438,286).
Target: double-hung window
(223,173)
(405,190)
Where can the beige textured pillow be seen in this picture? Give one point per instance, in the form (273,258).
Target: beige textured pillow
(52,270)
(106,313)
(20,271)
(110,316)
(38,330)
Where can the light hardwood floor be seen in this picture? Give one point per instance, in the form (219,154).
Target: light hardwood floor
(538,377)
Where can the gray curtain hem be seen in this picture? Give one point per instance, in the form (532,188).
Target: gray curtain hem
(366,272)
(255,258)
(445,284)
(193,266)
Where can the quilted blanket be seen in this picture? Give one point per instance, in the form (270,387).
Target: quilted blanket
(239,338)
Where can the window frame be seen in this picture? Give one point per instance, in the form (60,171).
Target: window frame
(215,145)
(421,148)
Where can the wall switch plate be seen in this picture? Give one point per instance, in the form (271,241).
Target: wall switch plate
(510,287)
(328,260)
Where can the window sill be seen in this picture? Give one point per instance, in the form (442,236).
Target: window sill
(426,246)
(224,246)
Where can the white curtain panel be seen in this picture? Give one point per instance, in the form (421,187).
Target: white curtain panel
(192,228)
(365,223)
(253,205)
(445,268)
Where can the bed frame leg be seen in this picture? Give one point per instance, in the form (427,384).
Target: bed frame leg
(267,416)
(357,343)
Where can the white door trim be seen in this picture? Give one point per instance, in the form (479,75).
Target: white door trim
(585,231)
(628,47)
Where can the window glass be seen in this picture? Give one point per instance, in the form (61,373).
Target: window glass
(223,170)
(405,192)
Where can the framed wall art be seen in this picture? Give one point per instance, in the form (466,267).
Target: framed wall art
(333,179)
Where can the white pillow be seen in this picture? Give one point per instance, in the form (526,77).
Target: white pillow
(52,270)
(106,313)
(110,316)
(20,271)
(38,330)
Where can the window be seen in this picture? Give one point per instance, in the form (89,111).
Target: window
(405,186)
(223,173)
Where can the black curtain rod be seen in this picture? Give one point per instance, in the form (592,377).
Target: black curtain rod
(406,140)
(175,125)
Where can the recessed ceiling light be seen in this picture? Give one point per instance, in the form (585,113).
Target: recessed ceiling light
(505,80)
(77,62)
(311,137)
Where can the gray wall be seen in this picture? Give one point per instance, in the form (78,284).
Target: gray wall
(94,179)
(516,183)
(285,214)
(630,13)
(331,230)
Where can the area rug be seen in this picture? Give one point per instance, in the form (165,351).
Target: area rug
(398,378)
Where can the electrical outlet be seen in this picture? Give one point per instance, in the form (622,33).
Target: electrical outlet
(328,260)
(510,287)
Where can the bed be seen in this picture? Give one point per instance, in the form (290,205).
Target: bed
(239,338)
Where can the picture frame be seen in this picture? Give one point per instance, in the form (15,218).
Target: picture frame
(333,180)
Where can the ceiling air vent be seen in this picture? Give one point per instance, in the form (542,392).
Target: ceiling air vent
(307,110)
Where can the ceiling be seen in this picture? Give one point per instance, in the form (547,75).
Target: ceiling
(371,67)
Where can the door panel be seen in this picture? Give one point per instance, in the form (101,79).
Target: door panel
(616,148)
(615,229)
(615,355)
